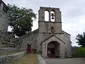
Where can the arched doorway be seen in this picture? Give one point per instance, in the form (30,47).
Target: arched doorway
(28,48)
(53,49)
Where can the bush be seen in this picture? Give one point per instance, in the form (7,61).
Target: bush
(80,52)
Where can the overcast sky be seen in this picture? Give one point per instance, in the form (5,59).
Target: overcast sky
(73,13)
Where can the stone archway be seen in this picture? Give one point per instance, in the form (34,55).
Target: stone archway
(53,49)
(59,47)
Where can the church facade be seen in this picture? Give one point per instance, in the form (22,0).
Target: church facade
(49,39)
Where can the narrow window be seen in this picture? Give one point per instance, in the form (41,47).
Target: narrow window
(46,16)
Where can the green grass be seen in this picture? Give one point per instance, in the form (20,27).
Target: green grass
(27,59)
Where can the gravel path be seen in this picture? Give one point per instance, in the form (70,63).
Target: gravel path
(65,61)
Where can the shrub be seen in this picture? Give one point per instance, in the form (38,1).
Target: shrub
(80,52)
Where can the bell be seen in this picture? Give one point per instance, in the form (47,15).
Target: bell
(53,16)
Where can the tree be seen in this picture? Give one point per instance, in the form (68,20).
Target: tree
(81,39)
(20,19)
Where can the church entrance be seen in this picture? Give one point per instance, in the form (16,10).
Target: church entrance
(53,49)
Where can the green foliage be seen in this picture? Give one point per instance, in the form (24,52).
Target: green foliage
(81,39)
(21,19)
(80,52)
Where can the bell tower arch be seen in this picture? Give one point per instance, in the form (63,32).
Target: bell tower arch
(49,18)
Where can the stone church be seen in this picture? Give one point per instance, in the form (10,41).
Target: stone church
(49,39)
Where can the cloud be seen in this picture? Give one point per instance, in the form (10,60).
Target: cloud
(75,8)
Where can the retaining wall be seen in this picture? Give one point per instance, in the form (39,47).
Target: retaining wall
(6,58)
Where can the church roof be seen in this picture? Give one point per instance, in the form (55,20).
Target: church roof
(65,32)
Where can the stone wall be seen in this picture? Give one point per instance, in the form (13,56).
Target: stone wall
(30,38)
(7,39)
(3,21)
(5,50)
(5,59)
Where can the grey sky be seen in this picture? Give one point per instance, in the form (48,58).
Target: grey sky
(73,13)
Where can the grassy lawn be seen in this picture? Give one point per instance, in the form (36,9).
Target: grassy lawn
(27,59)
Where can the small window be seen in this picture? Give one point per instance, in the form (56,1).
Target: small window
(52,29)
